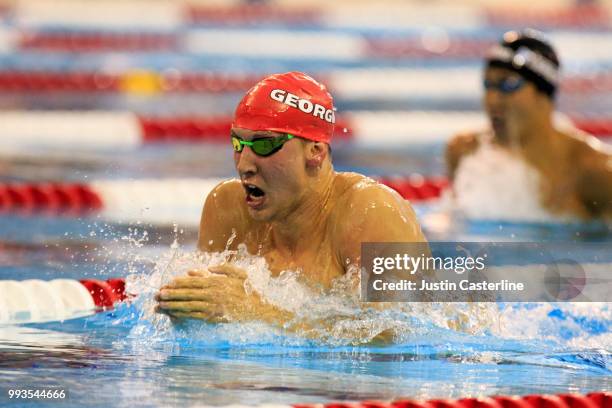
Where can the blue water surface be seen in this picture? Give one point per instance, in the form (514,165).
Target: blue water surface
(122,358)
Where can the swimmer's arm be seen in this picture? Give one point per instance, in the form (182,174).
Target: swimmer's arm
(221,298)
(459,146)
(595,183)
(216,298)
(222,217)
(378,214)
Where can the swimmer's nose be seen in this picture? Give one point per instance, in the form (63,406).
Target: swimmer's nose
(493,97)
(246,163)
(494,102)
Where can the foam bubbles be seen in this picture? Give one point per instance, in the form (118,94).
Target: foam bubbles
(334,317)
(494,184)
(576,326)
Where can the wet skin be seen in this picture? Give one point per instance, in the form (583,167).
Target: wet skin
(293,209)
(576,168)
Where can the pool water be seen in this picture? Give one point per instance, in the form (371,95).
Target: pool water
(103,364)
(133,357)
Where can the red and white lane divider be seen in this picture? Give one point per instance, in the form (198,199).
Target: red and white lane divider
(173,15)
(127,14)
(587,15)
(36,301)
(212,129)
(251,13)
(160,202)
(48,197)
(136,81)
(438,83)
(570,47)
(100,131)
(354,84)
(101,14)
(98,42)
(328,45)
(593,400)
(417,188)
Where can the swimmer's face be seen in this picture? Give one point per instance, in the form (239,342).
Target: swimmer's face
(274,184)
(508,112)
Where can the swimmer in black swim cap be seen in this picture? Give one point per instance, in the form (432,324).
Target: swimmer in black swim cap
(521,79)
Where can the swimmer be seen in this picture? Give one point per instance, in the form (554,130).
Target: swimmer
(289,205)
(573,170)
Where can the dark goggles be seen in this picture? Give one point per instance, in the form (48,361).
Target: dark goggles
(506,85)
(262,146)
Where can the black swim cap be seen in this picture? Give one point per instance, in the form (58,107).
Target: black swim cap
(530,55)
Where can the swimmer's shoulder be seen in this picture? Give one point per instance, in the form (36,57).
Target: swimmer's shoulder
(354,188)
(584,146)
(585,151)
(367,211)
(346,180)
(363,200)
(592,169)
(225,192)
(351,186)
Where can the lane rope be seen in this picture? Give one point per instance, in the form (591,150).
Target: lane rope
(348,84)
(592,400)
(36,301)
(105,130)
(156,201)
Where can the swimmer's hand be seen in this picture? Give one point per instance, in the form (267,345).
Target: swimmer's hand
(216,297)
(219,296)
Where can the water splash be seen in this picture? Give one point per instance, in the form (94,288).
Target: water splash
(333,317)
(570,326)
(567,335)
(564,336)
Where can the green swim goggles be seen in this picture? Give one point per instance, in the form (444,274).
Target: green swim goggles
(263,146)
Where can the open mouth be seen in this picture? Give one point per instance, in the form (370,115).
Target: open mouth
(254,195)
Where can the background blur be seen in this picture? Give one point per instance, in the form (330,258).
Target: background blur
(133,99)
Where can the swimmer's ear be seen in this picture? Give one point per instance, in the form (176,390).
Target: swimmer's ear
(316,152)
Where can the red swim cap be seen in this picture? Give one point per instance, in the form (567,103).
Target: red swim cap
(292,103)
